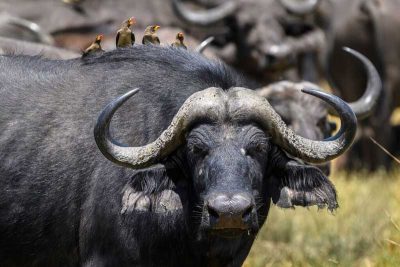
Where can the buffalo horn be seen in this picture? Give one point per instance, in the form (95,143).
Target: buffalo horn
(214,104)
(204,18)
(203,104)
(364,106)
(285,86)
(299,7)
(34,28)
(259,110)
(203,45)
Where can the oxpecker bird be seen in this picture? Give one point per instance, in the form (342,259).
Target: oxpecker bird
(179,41)
(125,36)
(94,47)
(150,36)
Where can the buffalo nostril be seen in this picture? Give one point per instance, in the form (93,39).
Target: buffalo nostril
(212,212)
(230,211)
(247,212)
(270,60)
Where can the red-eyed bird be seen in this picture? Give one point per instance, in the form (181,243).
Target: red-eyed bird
(125,36)
(150,36)
(179,41)
(94,47)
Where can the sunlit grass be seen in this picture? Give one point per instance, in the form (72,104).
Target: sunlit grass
(395,118)
(364,231)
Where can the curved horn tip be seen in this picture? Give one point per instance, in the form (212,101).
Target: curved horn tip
(357,54)
(107,113)
(348,119)
(117,103)
(322,95)
(210,39)
(334,100)
(351,51)
(204,44)
(130,93)
(364,106)
(101,128)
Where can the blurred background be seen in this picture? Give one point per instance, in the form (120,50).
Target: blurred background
(271,41)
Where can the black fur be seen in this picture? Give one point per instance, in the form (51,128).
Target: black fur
(61,200)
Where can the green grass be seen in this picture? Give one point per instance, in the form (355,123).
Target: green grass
(364,231)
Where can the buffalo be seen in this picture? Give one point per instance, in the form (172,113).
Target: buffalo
(74,24)
(12,46)
(199,159)
(270,36)
(268,39)
(19,28)
(370,27)
(308,116)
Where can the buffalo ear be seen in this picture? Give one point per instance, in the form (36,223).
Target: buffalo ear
(297,184)
(152,190)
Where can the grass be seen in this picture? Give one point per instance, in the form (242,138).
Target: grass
(364,231)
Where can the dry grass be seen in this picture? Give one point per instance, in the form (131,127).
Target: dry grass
(395,119)
(364,231)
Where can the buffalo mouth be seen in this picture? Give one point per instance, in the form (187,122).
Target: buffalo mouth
(230,233)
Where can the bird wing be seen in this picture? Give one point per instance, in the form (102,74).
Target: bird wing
(144,40)
(157,39)
(87,50)
(116,39)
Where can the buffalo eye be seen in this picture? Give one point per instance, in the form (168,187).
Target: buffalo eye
(198,149)
(256,148)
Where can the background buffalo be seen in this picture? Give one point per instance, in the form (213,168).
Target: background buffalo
(271,41)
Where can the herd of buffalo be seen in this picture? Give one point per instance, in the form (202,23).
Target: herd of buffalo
(171,155)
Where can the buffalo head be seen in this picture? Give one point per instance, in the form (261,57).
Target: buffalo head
(309,117)
(268,35)
(233,148)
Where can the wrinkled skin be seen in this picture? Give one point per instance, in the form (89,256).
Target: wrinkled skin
(57,188)
(228,157)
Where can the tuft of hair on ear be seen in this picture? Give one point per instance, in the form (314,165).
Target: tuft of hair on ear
(152,190)
(152,180)
(298,184)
